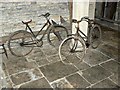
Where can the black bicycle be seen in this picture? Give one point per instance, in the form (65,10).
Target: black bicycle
(75,45)
(21,42)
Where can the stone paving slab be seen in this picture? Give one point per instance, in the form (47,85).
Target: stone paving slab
(112,66)
(95,74)
(57,70)
(3,66)
(53,58)
(36,54)
(109,50)
(77,81)
(74,59)
(49,52)
(26,76)
(8,83)
(11,57)
(82,66)
(94,57)
(112,37)
(40,83)
(42,61)
(115,78)
(62,83)
(46,46)
(18,65)
(20,78)
(105,84)
(117,58)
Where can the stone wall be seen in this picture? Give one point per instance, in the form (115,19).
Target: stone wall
(12,13)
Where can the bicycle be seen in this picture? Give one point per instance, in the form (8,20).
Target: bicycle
(21,42)
(74,46)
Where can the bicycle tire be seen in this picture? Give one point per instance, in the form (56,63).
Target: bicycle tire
(15,46)
(95,36)
(79,50)
(59,30)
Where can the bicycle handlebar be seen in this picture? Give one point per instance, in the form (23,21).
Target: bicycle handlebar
(87,19)
(83,19)
(46,15)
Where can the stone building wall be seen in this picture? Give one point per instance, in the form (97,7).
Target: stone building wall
(12,13)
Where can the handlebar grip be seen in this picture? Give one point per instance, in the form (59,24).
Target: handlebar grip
(85,18)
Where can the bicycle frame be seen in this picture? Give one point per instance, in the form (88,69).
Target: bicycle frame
(79,32)
(35,35)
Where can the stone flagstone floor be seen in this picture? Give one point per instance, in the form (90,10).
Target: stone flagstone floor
(42,68)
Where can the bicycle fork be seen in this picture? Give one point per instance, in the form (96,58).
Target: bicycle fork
(75,43)
(58,35)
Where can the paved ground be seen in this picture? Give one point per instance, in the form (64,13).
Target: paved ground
(42,68)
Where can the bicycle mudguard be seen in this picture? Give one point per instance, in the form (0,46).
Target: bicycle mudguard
(58,35)
(54,23)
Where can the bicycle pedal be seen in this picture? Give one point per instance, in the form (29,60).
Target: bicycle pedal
(87,45)
(39,43)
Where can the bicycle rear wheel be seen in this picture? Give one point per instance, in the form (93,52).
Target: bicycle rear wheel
(72,50)
(20,43)
(56,34)
(95,36)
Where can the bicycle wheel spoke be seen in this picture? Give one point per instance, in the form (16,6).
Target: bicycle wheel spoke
(19,43)
(95,36)
(73,50)
(56,35)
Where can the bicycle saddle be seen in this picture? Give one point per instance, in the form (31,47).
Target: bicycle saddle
(27,22)
(74,21)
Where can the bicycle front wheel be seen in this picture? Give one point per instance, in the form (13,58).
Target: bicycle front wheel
(95,36)
(72,50)
(56,34)
(20,43)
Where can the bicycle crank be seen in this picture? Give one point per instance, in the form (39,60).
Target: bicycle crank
(39,43)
